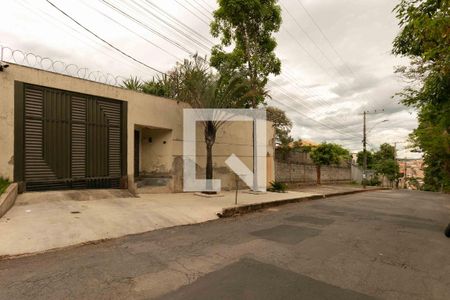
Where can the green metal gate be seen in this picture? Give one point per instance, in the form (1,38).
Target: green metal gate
(69,140)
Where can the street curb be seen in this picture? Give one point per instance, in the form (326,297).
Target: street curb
(8,198)
(248,208)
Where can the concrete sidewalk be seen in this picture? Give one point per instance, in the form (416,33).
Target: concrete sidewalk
(50,220)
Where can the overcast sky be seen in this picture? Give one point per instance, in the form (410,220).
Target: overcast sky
(335,55)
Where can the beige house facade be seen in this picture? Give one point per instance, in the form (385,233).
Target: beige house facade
(62,132)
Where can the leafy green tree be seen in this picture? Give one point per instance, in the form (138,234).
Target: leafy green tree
(248,27)
(282,125)
(360,159)
(386,152)
(328,154)
(424,38)
(383,161)
(387,167)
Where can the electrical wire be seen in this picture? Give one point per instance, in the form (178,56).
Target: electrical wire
(193,13)
(130,30)
(197,9)
(179,32)
(62,25)
(328,126)
(312,41)
(103,40)
(176,44)
(325,37)
(174,19)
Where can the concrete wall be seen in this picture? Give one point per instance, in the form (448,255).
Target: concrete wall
(297,168)
(156,150)
(233,138)
(157,116)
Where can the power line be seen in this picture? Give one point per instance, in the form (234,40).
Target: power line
(307,52)
(312,40)
(62,25)
(209,9)
(193,13)
(325,125)
(290,108)
(130,30)
(103,40)
(201,12)
(180,32)
(148,27)
(325,37)
(315,96)
(207,4)
(341,125)
(326,57)
(174,19)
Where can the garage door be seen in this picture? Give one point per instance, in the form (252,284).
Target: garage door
(70,140)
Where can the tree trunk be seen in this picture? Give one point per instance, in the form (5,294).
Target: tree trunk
(318,174)
(209,161)
(210,138)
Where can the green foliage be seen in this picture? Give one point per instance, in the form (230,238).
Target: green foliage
(299,146)
(414,182)
(382,162)
(386,152)
(277,186)
(4,183)
(387,167)
(132,83)
(164,86)
(329,153)
(360,159)
(282,125)
(373,181)
(248,27)
(425,39)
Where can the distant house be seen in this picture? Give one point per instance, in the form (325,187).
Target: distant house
(61,132)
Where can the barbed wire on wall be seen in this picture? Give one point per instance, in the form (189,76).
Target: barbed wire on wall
(33,60)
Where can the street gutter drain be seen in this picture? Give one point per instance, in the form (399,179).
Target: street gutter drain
(75,212)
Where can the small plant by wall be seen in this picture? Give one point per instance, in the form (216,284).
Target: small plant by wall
(4,183)
(277,187)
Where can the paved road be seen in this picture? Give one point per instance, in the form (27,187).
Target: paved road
(373,245)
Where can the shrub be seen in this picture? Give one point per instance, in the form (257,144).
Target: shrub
(277,187)
(3,185)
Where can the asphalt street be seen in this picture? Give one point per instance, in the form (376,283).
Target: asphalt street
(374,245)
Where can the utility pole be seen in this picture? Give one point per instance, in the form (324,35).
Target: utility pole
(395,159)
(365,142)
(404,174)
(364,152)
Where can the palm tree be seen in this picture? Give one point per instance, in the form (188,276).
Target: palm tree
(203,89)
(192,81)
